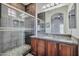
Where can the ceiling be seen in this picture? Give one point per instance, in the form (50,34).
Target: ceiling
(25,3)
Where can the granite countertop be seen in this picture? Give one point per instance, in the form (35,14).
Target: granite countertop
(45,37)
(63,34)
(76,36)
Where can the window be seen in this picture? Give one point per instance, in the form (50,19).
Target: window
(57,26)
(11,12)
(61,28)
(72,17)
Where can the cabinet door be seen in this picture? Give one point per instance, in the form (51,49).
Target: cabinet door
(52,48)
(41,48)
(34,42)
(67,50)
(78,50)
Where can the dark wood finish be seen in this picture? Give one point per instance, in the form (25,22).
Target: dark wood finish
(41,48)
(67,50)
(78,50)
(52,48)
(34,42)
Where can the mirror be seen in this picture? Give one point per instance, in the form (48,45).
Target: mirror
(72,17)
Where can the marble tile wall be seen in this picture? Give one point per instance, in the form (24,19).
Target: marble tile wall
(8,41)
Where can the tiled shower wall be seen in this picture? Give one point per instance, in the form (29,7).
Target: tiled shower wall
(13,27)
(9,38)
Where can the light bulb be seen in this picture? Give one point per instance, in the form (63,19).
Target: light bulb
(48,5)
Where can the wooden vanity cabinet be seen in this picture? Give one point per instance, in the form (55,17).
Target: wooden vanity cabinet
(78,50)
(34,42)
(67,49)
(41,47)
(52,48)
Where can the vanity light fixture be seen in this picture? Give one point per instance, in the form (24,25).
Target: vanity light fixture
(43,7)
(48,5)
(51,4)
